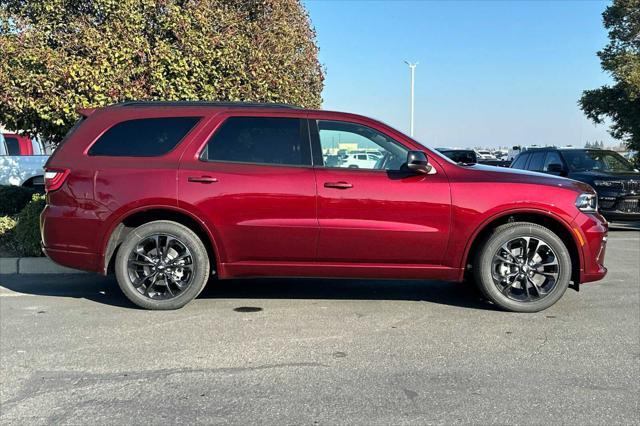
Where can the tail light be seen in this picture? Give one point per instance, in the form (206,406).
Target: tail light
(54,178)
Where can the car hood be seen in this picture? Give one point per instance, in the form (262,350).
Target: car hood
(502,174)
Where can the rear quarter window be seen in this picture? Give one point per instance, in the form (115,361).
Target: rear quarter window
(144,137)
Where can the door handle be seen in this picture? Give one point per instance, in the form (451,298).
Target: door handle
(202,179)
(338,185)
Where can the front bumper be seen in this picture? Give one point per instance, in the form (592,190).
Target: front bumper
(592,231)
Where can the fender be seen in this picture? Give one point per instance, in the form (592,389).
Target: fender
(509,212)
(112,227)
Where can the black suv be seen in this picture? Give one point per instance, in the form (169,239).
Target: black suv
(612,176)
(459,155)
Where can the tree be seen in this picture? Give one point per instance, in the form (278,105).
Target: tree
(61,55)
(619,102)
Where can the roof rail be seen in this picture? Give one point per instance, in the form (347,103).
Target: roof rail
(204,104)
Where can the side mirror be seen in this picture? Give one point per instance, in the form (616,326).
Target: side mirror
(417,162)
(555,168)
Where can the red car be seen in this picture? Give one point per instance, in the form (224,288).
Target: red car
(167,194)
(18,144)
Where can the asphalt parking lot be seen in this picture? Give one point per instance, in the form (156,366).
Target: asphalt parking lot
(74,350)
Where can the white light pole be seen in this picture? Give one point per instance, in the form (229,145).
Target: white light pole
(413,78)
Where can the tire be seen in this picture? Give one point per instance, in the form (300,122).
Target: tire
(176,272)
(522,285)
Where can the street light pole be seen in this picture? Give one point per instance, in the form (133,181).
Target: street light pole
(413,77)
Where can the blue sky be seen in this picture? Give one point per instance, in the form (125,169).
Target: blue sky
(489,74)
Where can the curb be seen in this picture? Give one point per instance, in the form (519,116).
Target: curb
(33,265)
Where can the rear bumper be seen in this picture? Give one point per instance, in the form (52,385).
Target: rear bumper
(68,238)
(74,259)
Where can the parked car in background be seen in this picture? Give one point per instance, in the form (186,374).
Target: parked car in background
(501,154)
(495,163)
(168,194)
(484,154)
(333,160)
(21,161)
(460,155)
(361,161)
(614,178)
(22,145)
(517,149)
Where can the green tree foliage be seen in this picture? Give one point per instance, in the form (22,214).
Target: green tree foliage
(619,102)
(60,55)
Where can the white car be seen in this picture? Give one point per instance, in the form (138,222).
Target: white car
(361,161)
(485,155)
(22,170)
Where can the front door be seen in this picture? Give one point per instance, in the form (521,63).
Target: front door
(254,186)
(377,213)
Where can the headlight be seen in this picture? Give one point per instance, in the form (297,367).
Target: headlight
(608,183)
(587,203)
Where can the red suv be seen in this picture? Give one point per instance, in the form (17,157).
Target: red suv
(167,194)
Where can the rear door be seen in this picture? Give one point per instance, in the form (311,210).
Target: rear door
(251,180)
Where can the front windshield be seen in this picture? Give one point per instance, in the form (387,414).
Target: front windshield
(608,161)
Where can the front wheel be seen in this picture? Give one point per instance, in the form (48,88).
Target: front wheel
(162,265)
(523,267)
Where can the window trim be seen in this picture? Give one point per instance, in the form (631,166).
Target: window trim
(303,133)
(317,146)
(200,120)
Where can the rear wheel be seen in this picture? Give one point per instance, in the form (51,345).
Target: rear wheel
(162,265)
(523,267)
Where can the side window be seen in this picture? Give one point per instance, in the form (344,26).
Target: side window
(520,162)
(381,152)
(146,137)
(263,140)
(13,146)
(552,158)
(537,160)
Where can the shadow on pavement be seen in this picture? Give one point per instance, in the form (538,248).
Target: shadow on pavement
(81,286)
(440,292)
(105,290)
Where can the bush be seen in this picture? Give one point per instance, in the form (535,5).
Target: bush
(13,199)
(26,234)
(6,224)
